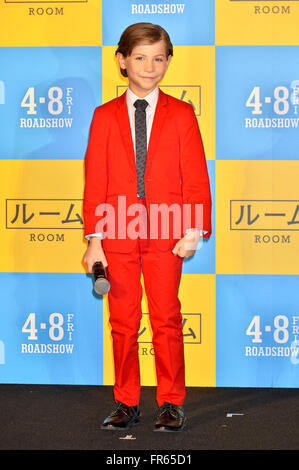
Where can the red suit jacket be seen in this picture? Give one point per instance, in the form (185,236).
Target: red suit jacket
(175,173)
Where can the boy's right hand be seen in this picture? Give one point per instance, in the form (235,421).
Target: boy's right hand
(94,253)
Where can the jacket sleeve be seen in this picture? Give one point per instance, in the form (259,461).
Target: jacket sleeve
(95,166)
(194,173)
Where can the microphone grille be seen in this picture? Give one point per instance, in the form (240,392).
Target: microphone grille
(101,286)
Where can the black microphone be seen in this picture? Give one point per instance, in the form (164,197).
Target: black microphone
(101,284)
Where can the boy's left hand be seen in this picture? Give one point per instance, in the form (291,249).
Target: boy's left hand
(186,247)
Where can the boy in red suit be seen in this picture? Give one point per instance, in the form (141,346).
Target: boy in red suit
(146,147)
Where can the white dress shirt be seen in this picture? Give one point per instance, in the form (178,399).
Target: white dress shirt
(152,99)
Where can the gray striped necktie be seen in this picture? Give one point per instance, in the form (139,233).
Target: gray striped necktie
(140,143)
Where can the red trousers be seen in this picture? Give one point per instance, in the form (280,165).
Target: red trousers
(162,274)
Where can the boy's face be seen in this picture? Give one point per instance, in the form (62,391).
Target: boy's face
(146,66)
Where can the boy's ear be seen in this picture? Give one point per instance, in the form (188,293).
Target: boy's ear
(121,60)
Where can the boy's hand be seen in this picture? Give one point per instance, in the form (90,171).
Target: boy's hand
(186,247)
(94,253)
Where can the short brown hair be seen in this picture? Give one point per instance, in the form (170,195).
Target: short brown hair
(142,33)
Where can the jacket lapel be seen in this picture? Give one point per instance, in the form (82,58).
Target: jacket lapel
(158,123)
(125,129)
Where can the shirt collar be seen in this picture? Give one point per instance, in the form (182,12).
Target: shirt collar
(151,98)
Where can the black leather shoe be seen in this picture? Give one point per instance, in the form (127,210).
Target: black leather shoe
(123,417)
(171,418)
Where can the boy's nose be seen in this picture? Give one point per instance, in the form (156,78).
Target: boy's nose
(149,65)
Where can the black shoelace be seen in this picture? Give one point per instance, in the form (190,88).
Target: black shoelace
(169,407)
(125,408)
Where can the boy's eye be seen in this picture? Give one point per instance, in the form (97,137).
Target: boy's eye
(158,59)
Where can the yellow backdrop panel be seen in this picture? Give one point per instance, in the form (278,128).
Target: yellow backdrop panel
(41,229)
(242,22)
(24,23)
(257,217)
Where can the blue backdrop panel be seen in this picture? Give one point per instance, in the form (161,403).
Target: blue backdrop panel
(257,324)
(188,23)
(48,97)
(51,329)
(257,102)
(203,261)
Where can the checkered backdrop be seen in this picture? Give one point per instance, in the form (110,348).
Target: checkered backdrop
(236,62)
